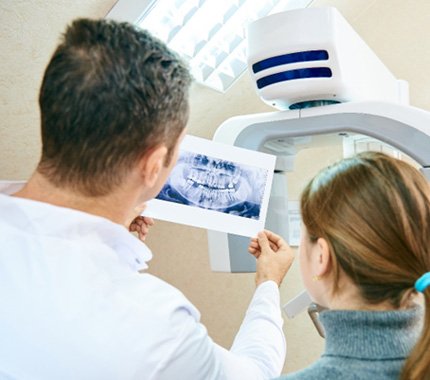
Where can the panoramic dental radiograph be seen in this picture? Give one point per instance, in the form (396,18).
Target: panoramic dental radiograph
(212,183)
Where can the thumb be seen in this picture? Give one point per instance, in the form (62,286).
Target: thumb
(263,241)
(140,208)
(137,211)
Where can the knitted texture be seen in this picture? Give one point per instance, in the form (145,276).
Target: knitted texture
(362,345)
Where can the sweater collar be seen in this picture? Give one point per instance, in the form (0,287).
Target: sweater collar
(371,334)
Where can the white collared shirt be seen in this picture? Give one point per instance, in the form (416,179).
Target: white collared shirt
(74,306)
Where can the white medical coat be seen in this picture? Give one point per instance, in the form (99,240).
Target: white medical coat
(73,305)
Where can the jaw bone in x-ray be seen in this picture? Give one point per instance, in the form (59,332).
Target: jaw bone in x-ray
(215,184)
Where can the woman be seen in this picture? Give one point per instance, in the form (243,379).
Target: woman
(365,256)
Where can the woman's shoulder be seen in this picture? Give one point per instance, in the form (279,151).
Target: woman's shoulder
(328,368)
(321,369)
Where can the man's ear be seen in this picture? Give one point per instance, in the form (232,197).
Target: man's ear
(151,164)
(323,258)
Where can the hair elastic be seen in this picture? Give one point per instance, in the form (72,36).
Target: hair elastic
(423,282)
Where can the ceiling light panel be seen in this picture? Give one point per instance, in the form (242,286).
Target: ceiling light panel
(210,34)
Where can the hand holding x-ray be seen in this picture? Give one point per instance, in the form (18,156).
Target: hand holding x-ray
(274,257)
(138,223)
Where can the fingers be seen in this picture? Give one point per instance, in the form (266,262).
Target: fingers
(254,243)
(276,242)
(143,220)
(143,232)
(148,221)
(254,248)
(141,225)
(263,241)
(275,239)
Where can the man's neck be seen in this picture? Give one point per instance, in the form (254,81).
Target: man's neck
(117,206)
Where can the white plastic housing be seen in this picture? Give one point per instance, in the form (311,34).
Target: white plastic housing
(289,48)
(403,127)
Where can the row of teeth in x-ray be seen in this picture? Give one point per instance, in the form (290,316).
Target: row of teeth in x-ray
(210,197)
(212,180)
(214,185)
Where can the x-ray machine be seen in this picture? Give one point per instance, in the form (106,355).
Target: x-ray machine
(315,68)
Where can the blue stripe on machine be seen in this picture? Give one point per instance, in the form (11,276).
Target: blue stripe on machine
(314,72)
(302,56)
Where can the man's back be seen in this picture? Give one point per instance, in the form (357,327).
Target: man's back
(70,301)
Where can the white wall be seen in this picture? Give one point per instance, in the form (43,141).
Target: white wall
(29,32)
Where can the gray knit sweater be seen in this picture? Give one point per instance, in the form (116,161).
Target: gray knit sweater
(363,345)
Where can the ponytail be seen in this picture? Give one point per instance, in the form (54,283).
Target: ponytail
(417,366)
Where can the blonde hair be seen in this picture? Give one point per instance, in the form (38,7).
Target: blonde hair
(374,212)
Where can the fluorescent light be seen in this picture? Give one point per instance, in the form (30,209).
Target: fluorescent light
(209,34)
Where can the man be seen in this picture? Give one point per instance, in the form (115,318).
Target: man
(114,105)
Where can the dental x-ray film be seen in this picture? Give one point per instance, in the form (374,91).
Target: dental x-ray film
(216,186)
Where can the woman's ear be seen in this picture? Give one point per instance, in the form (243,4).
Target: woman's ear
(151,164)
(323,258)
